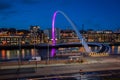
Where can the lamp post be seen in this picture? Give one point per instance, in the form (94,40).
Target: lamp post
(81,73)
(19,60)
(34,34)
(20,50)
(48,52)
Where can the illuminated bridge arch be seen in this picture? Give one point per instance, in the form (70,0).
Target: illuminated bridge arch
(73,26)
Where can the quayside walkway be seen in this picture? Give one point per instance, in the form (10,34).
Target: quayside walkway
(10,70)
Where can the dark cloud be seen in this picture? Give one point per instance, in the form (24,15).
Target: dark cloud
(30,1)
(4,5)
(6,9)
(7,14)
(60,2)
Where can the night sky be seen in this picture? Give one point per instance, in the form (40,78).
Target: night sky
(94,14)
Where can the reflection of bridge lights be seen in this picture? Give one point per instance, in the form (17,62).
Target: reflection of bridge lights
(93,54)
(53,51)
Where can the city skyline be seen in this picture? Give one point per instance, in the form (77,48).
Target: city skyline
(94,14)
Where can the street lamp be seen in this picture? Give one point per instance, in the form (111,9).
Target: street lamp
(19,60)
(34,34)
(20,50)
(48,52)
(81,73)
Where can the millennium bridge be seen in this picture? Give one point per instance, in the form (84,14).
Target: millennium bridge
(53,68)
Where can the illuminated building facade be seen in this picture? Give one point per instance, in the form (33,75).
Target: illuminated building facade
(68,36)
(106,36)
(37,36)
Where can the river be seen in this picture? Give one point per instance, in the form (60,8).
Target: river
(27,54)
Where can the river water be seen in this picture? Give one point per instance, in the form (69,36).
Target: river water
(27,54)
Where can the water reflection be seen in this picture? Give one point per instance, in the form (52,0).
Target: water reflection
(53,52)
(29,53)
(8,54)
(118,50)
(115,50)
(23,53)
(3,54)
(94,49)
(112,51)
(17,54)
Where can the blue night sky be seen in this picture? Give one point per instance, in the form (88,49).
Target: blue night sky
(94,14)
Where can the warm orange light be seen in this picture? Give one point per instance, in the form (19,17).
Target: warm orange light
(33,52)
(3,54)
(113,47)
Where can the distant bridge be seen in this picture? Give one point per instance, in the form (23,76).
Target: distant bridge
(102,47)
(83,42)
(63,45)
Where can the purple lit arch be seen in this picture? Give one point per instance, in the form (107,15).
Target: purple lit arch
(74,27)
(53,28)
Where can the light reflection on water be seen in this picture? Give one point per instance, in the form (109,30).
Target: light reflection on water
(15,54)
(118,50)
(3,54)
(8,54)
(28,53)
(112,49)
(115,49)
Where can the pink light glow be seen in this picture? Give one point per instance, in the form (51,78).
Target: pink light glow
(53,50)
(53,28)
(53,34)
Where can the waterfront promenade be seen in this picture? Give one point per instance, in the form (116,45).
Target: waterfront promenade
(10,70)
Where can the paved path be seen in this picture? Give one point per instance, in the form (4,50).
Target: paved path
(32,70)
